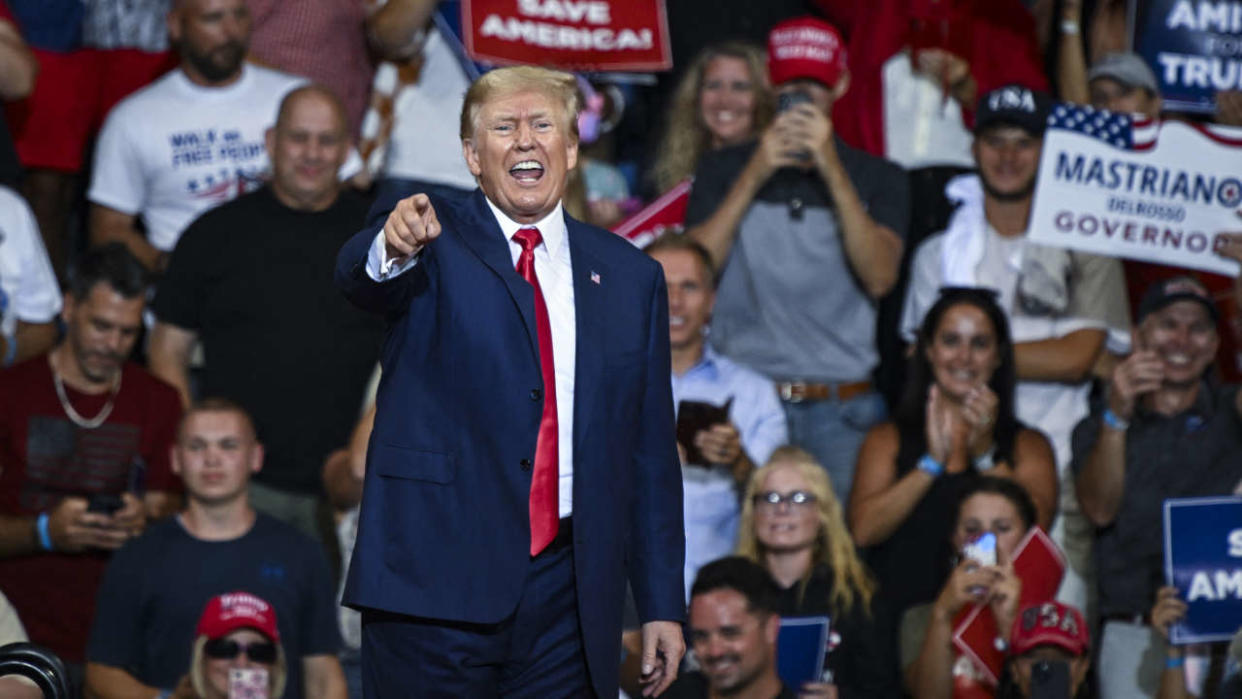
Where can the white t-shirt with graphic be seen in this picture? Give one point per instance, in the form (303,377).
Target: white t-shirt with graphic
(175,149)
(28,288)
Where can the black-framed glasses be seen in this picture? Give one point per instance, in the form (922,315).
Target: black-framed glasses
(771,499)
(223,649)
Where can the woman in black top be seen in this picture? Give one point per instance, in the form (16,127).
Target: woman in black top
(792,525)
(955,421)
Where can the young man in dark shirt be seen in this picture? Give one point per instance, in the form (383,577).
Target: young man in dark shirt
(252,279)
(157,585)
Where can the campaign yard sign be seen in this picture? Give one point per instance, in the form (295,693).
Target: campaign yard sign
(1158,191)
(600,35)
(1193,46)
(1203,559)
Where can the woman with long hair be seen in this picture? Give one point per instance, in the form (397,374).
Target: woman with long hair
(931,665)
(793,526)
(723,99)
(954,423)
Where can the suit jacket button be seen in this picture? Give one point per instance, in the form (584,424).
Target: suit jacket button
(536,394)
(525,464)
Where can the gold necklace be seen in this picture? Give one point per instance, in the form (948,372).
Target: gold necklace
(74,415)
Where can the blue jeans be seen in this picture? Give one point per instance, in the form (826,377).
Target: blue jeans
(833,431)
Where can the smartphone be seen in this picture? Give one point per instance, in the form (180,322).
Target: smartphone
(1050,680)
(982,549)
(789,98)
(104,503)
(248,683)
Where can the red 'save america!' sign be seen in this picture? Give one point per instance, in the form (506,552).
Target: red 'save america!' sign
(630,35)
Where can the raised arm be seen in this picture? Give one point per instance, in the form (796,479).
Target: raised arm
(873,250)
(880,501)
(370,267)
(718,232)
(393,28)
(1071,56)
(1101,480)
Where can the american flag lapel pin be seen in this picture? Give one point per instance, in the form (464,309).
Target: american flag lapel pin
(594,277)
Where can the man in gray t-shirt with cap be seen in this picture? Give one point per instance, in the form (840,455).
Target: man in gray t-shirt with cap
(808,234)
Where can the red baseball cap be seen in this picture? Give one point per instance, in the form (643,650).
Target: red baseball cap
(226,613)
(805,47)
(1049,624)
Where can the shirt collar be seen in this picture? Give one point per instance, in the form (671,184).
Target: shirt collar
(551,227)
(707,364)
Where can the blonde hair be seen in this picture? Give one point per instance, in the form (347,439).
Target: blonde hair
(833,545)
(686,137)
(276,677)
(560,87)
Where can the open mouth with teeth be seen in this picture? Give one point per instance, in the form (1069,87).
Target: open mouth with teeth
(527,171)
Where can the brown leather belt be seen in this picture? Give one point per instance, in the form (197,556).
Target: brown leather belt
(800,391)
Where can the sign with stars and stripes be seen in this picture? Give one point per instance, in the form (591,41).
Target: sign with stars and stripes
(1124,186)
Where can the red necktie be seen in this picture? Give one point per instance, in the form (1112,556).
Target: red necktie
(544,509)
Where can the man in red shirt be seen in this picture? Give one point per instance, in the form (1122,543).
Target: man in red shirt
(85,439)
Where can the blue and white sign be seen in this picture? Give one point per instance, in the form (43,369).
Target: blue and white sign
(1148,190)
(1194,47)
(1203,560)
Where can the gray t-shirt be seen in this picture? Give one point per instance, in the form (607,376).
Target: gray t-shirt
(788,303)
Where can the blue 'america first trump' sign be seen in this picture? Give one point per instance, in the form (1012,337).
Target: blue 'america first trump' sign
(1203,559)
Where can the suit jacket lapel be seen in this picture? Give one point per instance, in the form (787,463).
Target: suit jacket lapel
(589,308)
(482,234)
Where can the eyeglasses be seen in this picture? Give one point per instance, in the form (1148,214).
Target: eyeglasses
(772,500)
(224,649)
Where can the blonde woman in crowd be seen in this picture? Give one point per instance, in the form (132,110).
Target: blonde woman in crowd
(723,99)
(792,525)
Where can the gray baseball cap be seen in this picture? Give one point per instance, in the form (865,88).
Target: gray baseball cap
(1129,69)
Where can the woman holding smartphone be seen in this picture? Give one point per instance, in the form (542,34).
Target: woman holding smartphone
(954,424)
(237,651)
(998,510)
(792,525)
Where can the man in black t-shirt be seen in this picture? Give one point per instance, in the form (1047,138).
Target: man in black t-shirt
(733,629)
(156,586)
(252,280)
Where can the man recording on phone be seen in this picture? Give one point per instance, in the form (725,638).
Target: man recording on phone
(807,233)
(84,439)
(1050,650)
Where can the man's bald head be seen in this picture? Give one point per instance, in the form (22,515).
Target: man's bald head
(316,93)
(307,146)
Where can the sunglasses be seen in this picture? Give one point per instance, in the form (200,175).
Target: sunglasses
(224,649)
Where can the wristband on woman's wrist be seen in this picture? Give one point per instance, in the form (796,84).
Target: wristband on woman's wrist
(45,535)
(928,464)
(1070,26)
(1115,421)
(1173,663)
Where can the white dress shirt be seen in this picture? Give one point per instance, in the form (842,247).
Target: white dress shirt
(555,272)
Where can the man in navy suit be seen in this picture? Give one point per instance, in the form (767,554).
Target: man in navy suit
(523,457)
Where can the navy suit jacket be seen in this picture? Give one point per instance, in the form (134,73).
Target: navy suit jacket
(444,529)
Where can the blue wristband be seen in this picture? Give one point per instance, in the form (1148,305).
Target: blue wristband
(930,466)
(1174,663)
(45,537)
(1115,421)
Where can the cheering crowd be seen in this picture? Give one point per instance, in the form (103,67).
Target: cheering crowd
(872,367)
